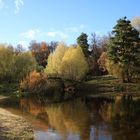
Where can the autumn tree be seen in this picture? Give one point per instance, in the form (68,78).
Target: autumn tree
(74,65)
(113,68)
(83,43)
(55,59)
(6,62)
(102,62)
(14,66)
(24,63)
(124,47)
(67,62)
(40,51)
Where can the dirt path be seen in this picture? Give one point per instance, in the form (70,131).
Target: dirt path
(13,127)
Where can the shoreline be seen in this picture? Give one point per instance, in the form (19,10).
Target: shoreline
(14,127)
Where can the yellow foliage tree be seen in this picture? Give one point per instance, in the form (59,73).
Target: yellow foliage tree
(55,59)
(74,65)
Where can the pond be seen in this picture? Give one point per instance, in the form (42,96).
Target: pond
(84,119)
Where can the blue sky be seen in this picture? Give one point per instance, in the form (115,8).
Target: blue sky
(60,20)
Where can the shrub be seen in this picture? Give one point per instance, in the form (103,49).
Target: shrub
(37,85)
(31,82)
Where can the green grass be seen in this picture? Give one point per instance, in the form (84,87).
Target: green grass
(103,80)
(111,86)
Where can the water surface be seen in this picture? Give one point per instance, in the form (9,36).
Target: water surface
(84,119)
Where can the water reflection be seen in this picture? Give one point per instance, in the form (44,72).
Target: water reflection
(87,119)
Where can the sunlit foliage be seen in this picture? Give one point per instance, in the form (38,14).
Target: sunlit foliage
(6,62)
(107,66)
(41,88)
(30,81)
(74,65)
(113,69)
(69,63)
(102,62)
(24,63)
(55,60)
(14,66)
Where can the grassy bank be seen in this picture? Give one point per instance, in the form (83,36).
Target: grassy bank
(109,86)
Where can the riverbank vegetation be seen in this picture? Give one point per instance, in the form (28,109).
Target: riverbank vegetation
(107,67)
(54,68)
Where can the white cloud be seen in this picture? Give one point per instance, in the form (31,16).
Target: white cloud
(1,4)
(66,31)
(18,4)
(57,34)
(76,28)
(31,33)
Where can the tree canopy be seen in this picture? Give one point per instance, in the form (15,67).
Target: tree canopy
(67,62)
(55,60)
(124,47)
(83,43)
(74,65)
(14,66)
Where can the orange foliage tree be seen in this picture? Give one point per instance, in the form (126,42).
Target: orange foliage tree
(102,62)
(40,51)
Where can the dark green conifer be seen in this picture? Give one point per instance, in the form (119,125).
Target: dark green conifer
(124,47)
(83,43)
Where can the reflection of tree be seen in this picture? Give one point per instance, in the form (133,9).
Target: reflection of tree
(123,115)
(31,106)
(99,128)
(66,118)
(70,117)
(93,120)
(37,110)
